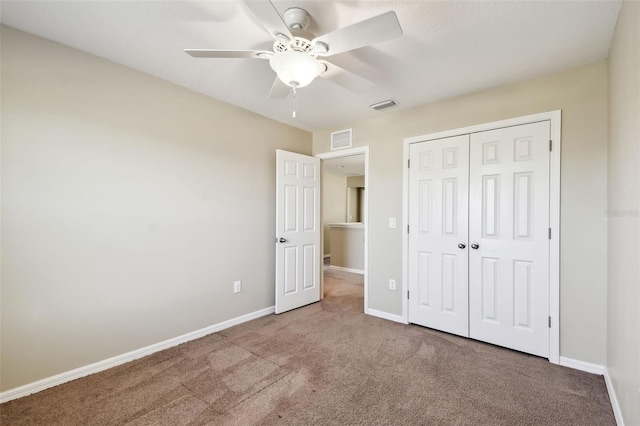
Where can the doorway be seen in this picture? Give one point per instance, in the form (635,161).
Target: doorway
(344,215)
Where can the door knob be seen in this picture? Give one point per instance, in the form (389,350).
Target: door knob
(475,246)
(461,246)
(282,240)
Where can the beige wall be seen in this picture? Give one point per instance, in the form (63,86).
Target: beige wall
(623,336)
(581,94)
(348,247)
(334,204)
(355,181)
(355,199)
(129,207)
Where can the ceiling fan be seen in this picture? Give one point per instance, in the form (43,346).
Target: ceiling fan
(297,56)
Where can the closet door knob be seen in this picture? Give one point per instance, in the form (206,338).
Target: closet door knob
(462,246)
(475,246)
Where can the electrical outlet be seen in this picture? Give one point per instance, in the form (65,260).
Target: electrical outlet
(237,286)
(392,284)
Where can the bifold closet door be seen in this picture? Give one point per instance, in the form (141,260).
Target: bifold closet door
(508,237)
(438,218)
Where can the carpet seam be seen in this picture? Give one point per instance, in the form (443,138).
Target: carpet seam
(258,392)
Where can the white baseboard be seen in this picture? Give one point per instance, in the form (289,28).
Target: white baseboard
(96,367)
(385,315)
(582,366)
(617,412)
(340,268)
(326,255)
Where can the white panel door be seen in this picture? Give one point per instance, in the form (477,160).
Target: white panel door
(297,230)
(508,236)
(438,252)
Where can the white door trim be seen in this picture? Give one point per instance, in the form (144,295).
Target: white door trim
(554,117)
(347,153)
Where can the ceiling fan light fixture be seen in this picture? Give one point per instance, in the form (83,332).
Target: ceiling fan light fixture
(295,69)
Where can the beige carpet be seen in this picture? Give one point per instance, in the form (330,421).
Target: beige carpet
(328,364)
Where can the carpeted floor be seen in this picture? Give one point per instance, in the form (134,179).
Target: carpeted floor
(329,364)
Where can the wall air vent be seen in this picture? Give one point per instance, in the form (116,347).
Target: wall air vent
(388,103)
(341,139)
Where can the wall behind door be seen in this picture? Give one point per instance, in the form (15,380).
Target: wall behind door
(581,94)
(334,204)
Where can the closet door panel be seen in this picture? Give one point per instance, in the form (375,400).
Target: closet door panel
(438,218)
(508,223)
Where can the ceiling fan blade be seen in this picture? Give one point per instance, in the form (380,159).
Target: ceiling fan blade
(279,90)
(345,78)
(220,53)
(370,31)
(267,13)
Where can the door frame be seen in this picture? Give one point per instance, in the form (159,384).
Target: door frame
(554,118)
(348,153)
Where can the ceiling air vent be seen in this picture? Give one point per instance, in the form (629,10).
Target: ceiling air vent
(388,103)
(341,139)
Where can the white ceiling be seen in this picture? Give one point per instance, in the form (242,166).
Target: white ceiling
(352,165)
(449,48)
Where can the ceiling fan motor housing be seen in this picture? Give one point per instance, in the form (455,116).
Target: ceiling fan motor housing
(299,44)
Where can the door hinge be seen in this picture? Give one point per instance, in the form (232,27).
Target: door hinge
(550,145)
(549,233)
(407,294)
(549,322)
(407,229)
(409,163)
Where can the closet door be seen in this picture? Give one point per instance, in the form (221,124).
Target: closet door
(438,218)
(508,237)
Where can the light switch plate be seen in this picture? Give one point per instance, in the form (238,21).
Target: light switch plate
(392,222)
(392,284)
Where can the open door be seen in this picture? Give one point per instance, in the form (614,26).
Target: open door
(297,230)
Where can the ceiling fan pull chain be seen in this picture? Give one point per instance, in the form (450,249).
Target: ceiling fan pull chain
(295,101)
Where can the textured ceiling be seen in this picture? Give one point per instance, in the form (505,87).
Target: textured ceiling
(448,48)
